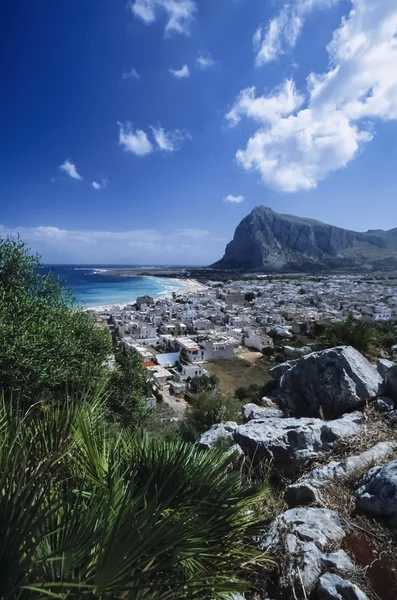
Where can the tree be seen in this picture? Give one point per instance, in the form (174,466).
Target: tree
(204,383)
(352,332)
(249,296)
(48,343)
(128,390)
(87,511)
(207,409)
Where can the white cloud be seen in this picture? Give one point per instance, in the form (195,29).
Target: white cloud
(70,169)
(181,73)
(131,74)
(283,30)
(131,246)
(169,141)
(136,141)
(101,185)
(233,199)
(179,13)
(266,109)
(204,60)
(295,151)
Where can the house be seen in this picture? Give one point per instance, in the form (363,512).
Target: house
(159,376)
(216,348)
(189,371)
(257,340)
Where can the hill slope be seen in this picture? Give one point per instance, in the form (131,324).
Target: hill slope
(269,241)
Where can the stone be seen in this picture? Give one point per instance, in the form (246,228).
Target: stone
(220,431)
(383,365)
(385,404)
(278,371)
(377,492)
(338,561)
(391,383)
(291,443)
(328,383)
(253,411)
(302,537)
(267,402)
(307,489)
(333,587)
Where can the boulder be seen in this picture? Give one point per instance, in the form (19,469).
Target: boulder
(307,489)
(328,383)
(385,404)
(217,432)
(333,587)
(377,492)
(383,365)
(253,411)
(292,443)
(267,402)
(300,539)
(391,383)
(278,371)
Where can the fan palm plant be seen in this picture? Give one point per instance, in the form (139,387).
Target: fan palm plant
(89,511)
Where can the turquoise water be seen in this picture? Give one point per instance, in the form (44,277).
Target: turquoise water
(92,287)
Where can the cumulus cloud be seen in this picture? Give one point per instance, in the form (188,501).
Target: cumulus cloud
(70,169)
(283,30)
(179,13)
(266,109)
(131,74)
(233,199)
(100,186)
(204,60)
(181,73)
(295,149)
(135,141)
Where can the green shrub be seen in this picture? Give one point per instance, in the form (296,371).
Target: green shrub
(87,511)
(362,336)
(47,343)
(206,410)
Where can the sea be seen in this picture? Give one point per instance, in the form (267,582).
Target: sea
(92,287)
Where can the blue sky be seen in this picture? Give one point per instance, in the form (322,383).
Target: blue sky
(144,131)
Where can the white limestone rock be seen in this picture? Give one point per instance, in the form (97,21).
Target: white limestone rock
(302,539)
(329,383)
(391,383)
(333,587)
(307,489)
(292,443)
(383,365)
(253,411)
(217,432)
(377,492)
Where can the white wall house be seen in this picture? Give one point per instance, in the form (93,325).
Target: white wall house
(257,341)
(188,371)
(213,349)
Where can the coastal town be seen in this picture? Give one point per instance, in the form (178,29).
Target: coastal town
(177,336)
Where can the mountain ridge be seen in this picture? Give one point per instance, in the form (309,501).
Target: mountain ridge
(269,241)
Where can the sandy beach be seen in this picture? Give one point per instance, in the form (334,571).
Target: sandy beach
(190,286)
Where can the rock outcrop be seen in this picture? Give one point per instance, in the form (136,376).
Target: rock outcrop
(218,432)
(292,443)
(308,488)
(267,240)
(333,587)
(377,492)
(391,382)
(306,543)
(253,411)
(328,383)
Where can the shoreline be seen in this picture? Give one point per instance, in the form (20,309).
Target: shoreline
(189,286)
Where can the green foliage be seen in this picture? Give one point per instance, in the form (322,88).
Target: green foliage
(128,390)
(87,511)
(388,333)
(206,410)
(197,385)
(249,296)
(47,342)
(252,393)
(361,335)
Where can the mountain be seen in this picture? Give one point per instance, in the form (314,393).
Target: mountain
(268,241)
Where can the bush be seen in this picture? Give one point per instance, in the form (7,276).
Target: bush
(48,344)
(206,410)
(362,336)
(87,511)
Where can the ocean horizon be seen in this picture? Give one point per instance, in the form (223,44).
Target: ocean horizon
(91,287)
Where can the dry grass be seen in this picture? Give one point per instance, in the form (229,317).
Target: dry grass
(234,372)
